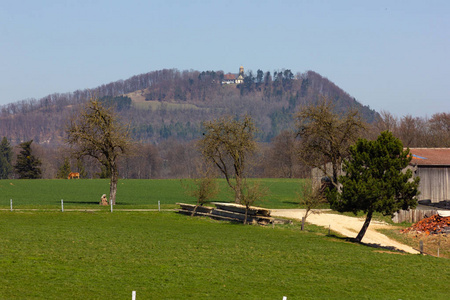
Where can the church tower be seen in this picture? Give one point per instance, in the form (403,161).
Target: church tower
(240,78)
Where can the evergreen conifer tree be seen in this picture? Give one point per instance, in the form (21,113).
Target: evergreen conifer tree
(27,165)
(5,158)
(64,169)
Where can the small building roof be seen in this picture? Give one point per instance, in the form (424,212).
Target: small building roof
(229,76)
(430,156)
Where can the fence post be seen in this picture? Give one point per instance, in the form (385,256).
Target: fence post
(62,205)
(159,205)
(133,295)
(111,205)
(10,202)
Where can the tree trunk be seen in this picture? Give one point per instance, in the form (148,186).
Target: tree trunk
(237,191)
(113,185)
(363,230)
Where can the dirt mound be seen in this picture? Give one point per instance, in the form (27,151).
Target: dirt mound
(432,225)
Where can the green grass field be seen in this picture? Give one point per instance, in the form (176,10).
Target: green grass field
(164,255)
(49,254)
(131,193)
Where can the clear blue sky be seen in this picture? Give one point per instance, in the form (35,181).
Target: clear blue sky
(390,55)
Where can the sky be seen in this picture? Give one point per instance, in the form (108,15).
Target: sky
(389,55)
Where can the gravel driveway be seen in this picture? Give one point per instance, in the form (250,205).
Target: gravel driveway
(347,226)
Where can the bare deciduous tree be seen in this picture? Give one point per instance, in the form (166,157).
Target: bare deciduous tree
(97,132)
(311,198)
(326,136)
(227,143)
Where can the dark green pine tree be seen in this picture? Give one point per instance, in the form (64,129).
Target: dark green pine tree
(376,179)
(64,169)
(5,159)
(27,165)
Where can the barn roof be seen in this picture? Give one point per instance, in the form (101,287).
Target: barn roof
(430,156)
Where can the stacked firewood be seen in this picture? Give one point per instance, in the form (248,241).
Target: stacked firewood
(231,212)
(432,225)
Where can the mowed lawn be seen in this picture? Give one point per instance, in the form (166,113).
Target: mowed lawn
(131,193)
(164,255)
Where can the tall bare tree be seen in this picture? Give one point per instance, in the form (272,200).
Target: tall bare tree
(227,143)
(326,136)
(97,132)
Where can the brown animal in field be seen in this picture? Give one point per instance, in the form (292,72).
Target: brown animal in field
(74,175)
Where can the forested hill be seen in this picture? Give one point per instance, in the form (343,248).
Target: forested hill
(172,104)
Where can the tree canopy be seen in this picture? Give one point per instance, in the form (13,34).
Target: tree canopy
(376,179)
(5,158)
(97,132)
(227,143)
(27,165)
(326,136)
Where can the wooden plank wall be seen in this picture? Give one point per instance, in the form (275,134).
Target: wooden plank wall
(434,184)
(412,215)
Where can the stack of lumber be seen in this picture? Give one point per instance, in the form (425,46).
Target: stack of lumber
(432,225)
(232,212)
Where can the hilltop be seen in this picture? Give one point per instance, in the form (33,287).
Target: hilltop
(172,104)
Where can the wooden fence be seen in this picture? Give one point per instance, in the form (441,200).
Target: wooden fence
(412,215)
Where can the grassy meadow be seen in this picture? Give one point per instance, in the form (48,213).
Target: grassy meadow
(95,254)
(131,193)
(164,255)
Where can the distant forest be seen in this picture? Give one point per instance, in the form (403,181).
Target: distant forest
(171,104)
(164,111)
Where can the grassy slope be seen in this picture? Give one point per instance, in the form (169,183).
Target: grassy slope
(79,255)
(130,194)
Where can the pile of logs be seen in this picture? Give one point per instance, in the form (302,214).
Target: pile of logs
(232,212)
(432,225)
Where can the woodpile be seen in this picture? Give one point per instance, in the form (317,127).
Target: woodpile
(432,225)
(232,212)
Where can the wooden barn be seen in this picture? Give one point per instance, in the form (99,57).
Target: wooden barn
(432,165)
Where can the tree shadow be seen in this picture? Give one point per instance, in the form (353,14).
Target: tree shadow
(81,202)
(290,202)
(95,203)
(371,245)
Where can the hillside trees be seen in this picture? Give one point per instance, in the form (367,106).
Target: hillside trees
(227,143)
(5,159)
(27,165)
(97,132)
(282,160)
(325,136)
(376,179)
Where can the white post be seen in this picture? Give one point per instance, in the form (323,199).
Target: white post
(111,205)
(10,202)
(133,295)
(159,205)
(284,298)
(62,205)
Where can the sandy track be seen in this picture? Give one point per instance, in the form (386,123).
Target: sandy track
(347,226)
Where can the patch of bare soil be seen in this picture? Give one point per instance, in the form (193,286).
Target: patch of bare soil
(348,226)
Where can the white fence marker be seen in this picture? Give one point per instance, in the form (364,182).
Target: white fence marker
(62,205)
(284,298)
(159,205)
(10,202)
(111,205)
(133,295)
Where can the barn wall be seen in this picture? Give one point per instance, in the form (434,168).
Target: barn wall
(434,183)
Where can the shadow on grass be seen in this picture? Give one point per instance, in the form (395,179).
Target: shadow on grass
(377,246)
(93,203)
(290,202)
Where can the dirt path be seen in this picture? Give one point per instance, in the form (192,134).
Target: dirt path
(347,226)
